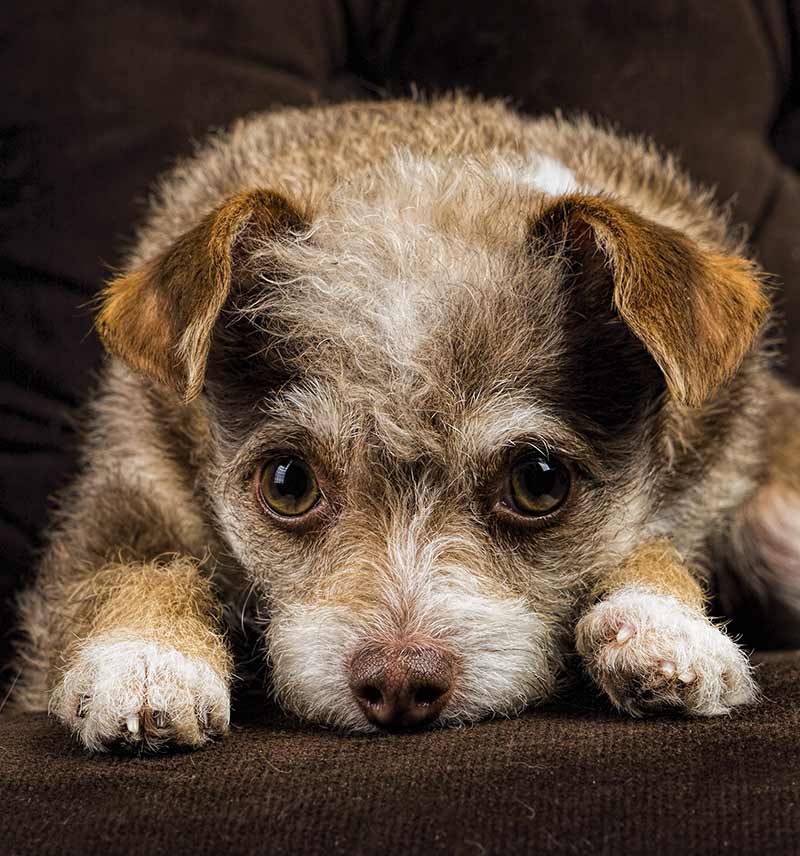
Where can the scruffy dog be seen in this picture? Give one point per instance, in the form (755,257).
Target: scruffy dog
(455,393)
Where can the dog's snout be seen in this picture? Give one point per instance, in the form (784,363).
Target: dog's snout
(402,688)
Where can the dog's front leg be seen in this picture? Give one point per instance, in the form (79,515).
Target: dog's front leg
(144,662)
(649,645)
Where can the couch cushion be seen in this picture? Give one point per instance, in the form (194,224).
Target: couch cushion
(569,778)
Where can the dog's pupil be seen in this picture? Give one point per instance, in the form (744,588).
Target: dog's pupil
(291,479)
(540,478)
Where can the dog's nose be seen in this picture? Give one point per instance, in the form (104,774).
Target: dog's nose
(400,688)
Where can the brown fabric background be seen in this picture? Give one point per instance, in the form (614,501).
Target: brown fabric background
(95,100)
(567,779)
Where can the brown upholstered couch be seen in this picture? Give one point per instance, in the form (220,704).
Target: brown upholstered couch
(97,99)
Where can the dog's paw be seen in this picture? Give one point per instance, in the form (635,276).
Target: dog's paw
(139,694)
(648,652)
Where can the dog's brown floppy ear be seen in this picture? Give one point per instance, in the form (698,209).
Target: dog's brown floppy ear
(695,310)
(159,317)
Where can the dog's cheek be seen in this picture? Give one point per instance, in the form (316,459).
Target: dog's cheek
(510,656)
(309,649)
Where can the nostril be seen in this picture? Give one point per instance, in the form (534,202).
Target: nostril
(429,694)
(370,694)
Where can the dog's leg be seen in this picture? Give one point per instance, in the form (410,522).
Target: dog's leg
(123,638)
(756,559)
(648,644)
(146,665)
(129,654)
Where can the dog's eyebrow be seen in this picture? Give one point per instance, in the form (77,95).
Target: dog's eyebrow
(309,409)
(502,421)
(304,416)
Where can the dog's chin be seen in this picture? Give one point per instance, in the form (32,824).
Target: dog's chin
(507,658)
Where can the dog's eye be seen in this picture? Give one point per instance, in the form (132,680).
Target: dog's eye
(288,486)
(537,485)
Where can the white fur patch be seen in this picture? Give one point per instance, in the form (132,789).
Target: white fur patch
(538,172)
(550,176)
(650,652)
(774,517)
(136,691)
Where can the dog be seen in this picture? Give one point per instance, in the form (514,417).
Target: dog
(452,395)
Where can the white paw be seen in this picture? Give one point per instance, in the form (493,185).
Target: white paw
(649,652)
(141,694)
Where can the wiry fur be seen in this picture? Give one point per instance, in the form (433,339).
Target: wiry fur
(401,294)
(422,591)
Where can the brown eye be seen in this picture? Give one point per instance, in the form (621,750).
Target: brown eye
(288,486)
(537,485)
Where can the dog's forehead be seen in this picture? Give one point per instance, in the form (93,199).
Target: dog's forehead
(344,425)
(413,304)
(418,276)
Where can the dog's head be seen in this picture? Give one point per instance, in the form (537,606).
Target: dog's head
(437,407)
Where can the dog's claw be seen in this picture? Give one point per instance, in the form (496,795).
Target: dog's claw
(624,633)
(668,668)
(83,704)
(132,723)
(687,677)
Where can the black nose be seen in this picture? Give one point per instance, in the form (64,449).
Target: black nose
(401,688)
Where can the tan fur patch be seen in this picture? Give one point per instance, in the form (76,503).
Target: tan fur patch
(656,565)
(167,603)
(159,317)
(697,312)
